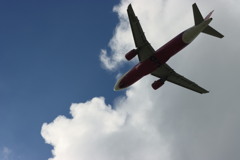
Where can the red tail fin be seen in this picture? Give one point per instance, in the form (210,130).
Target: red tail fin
(208,16)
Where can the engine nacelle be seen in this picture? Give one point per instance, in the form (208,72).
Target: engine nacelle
(157,84)
(131,54)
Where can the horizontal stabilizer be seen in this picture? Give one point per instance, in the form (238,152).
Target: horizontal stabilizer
(209,30)
(198,18)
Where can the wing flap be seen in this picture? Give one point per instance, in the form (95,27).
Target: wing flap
(167,73)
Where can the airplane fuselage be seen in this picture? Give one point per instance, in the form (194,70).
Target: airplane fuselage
(161,56)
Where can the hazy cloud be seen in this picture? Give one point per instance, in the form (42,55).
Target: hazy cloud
(5,153)
(171,123)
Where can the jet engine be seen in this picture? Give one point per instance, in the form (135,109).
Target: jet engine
(131,54)
(157,84)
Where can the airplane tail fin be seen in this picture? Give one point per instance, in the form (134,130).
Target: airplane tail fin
(198,18)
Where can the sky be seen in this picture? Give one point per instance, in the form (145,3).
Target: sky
(59,63)
(49,59)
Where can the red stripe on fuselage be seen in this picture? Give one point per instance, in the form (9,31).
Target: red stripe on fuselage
(164,53)
(137,72)
(161,56)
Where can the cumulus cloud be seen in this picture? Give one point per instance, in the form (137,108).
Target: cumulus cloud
(95,131)
(171,123)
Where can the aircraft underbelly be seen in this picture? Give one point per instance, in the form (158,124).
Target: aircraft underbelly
(137,72)
(164,53)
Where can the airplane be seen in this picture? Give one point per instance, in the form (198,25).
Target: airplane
(154,62)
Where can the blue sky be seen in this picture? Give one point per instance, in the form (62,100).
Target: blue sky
(49,58)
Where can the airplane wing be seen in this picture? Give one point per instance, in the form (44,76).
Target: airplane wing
(167,73)
(144,48)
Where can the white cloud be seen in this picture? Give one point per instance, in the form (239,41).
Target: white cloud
(107,62)
(97,132)
(171,123)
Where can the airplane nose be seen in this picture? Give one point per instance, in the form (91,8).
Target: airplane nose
(118,86)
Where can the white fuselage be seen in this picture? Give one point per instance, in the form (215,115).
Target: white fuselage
(190,34)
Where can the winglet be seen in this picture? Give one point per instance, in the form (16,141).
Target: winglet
(130,10)
(130,6)
(204,92)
